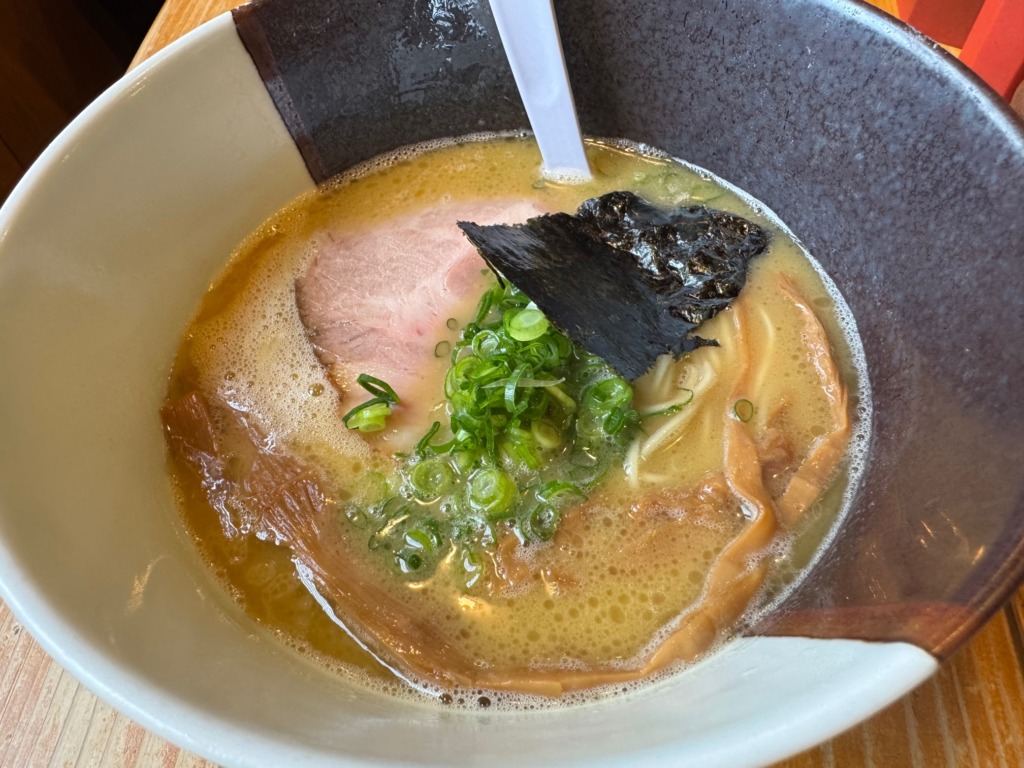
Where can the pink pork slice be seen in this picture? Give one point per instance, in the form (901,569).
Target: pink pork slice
(376,301)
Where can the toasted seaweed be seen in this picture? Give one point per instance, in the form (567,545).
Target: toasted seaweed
(622,278)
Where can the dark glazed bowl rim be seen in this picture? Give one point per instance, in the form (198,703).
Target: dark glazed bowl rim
(995,591)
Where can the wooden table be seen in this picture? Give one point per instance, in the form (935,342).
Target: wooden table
(971,715)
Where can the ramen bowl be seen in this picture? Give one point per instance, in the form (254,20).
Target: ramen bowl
(901,173)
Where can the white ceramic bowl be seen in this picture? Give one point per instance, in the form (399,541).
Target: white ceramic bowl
(105,248)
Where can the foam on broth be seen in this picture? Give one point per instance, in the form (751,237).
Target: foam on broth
(247,348)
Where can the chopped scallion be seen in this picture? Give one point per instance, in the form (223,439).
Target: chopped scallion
(424,444)
(543,522)
(546,435)
(556,488)
(492,492)
(616,419)
(526,382)
(559,394)
(426,537)
(377,388)
(430,479)
(369,416)
(526,324)
(608,395)
(510,391)
(744,410)
(533,423)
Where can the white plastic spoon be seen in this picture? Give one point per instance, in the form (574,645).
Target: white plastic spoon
(529,34)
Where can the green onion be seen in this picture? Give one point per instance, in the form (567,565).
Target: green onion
(559,394)
(533,423)
(744,410)
(554,489)
(463,460)
(616,419)
(546,435)
(489,439)
(518,447)
(424,444)
(426,536)
(510,390)
(525,324)
(486,302)
(542,522)
(492,492)
(369,416)
(526,383)
(487,343)
(608,395)
(430,479)
(395,510)
(487,371)
(377,388)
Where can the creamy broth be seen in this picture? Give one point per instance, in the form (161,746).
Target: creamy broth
(662,561)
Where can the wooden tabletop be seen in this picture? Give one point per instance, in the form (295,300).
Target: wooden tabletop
(970,715)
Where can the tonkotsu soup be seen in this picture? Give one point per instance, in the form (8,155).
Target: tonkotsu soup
(401,467)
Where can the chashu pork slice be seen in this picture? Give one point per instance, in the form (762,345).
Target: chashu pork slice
(377,300)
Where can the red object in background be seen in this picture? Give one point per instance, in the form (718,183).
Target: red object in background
(945,21)
(989,32)
(994,49)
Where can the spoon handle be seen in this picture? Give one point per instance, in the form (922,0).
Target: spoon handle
(529,34)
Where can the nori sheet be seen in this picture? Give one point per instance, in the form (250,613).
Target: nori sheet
(622,278)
